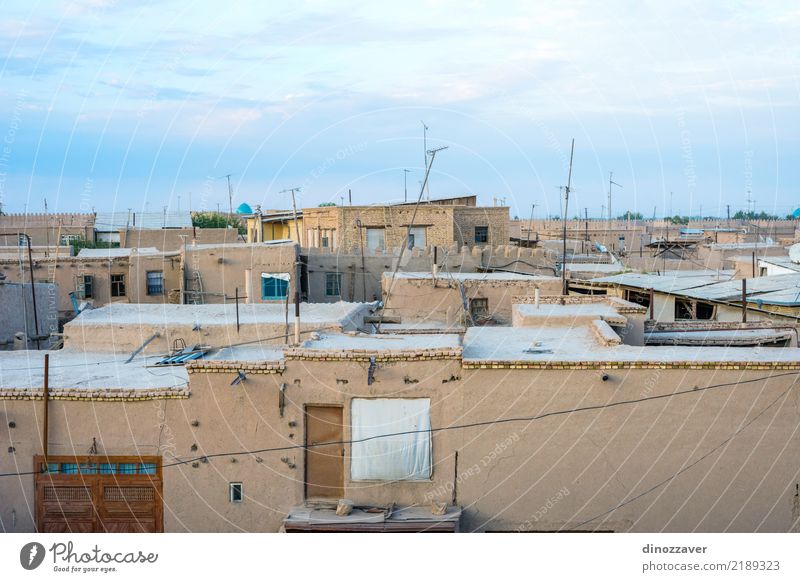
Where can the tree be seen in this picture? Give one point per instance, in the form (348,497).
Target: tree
(631,216)
(750,215)
(327,204)
(677,219)
(213,219)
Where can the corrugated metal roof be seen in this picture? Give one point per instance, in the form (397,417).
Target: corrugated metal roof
(670,282)
(113,221)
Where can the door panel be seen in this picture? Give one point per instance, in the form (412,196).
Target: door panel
(324,464)
(83,499)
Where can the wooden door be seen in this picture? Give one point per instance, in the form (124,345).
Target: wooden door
(99,494)
(324,464)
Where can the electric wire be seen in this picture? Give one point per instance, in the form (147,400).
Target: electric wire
(477,424)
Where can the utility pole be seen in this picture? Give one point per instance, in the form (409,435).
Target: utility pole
(611,183)
(530,224)
(47,229)
(405,182)
(425,129)
(564,225)
(670,203)
(230,196)
(297,268)
(729,215)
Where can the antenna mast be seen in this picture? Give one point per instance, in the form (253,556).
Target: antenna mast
(564,225)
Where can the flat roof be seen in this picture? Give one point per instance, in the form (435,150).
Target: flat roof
(117,252)
(74,369)
(383,342)
(216,314)
(578,344)
(248,353)
(495,276)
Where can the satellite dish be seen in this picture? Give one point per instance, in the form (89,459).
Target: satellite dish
(794,253)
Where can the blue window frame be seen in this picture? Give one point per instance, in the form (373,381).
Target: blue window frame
(147,469)
(108,468)
(274,287)
(69,468)
(127,468)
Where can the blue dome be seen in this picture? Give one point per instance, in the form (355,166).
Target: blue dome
(244,208)
(796,213)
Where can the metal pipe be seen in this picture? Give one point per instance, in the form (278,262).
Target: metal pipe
(33,290)
(744,300)
(652,304)
(46,393)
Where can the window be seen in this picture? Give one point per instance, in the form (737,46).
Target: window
(235,494)
(481,234)
(416,237)
(68,239)
(23,240)
(155,282)
(478,307)
(274,286)
(333,284)
(118,285)
(404,456)
(376,239)
(84,287)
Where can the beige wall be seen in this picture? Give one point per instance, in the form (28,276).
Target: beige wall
(172,239)
(65,271)
(507,474)
(423,300)
(221,270)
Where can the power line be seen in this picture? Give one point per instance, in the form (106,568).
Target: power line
(687,467)
(478,424)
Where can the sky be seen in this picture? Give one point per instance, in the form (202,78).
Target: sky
(110,105)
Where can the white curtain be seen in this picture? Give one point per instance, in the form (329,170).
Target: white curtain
(400,457)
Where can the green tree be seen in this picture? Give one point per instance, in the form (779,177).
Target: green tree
(213,219)
(631,216)
(327,204)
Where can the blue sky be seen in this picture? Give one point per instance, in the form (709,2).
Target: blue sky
(114,105)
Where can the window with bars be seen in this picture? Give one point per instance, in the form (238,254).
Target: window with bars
(118,285)
(100,468)
(481,234)
(155,282)
(333,284)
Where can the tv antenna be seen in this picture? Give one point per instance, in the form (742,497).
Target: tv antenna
(611,183)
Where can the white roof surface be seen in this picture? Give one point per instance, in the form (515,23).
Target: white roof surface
(249,313)
(578,344)
(251,353)
(380,342)
(87,370)
(117,252)
(473,276)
